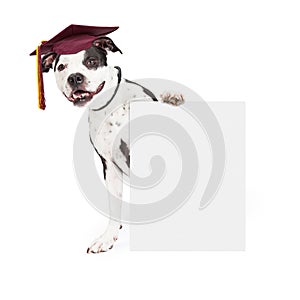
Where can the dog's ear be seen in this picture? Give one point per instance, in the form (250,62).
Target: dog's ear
(106,44)
(47,61)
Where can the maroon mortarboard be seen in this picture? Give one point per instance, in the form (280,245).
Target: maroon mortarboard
(71,40)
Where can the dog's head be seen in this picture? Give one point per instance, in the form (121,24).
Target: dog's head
(82,75)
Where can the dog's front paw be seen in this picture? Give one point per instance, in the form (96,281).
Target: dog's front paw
(102,244)
(173,99)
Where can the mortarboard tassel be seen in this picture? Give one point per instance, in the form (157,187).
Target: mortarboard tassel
(40,82)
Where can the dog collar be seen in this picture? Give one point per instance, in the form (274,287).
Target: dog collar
(115,91)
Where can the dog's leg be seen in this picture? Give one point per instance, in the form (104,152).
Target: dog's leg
(114,184)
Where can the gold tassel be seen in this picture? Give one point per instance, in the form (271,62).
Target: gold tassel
(40,81)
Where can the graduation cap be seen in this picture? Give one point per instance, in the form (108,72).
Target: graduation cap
(71,40)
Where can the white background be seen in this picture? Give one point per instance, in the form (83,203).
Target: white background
(224,50)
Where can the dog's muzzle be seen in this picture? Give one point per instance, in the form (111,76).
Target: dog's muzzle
(80,96)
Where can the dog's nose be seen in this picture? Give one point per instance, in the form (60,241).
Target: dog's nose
(75,79)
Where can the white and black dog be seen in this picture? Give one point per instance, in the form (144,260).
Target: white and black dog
(82,76)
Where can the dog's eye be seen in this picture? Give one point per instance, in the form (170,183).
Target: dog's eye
(61,67)
(92,62)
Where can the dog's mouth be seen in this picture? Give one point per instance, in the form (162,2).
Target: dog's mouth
(81,97)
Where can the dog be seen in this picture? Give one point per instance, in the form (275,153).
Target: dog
(82,78)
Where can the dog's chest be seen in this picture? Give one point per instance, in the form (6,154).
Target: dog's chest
(109,131)
(109,126)
(112,132)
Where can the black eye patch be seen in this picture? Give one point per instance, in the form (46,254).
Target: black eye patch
(94,58)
